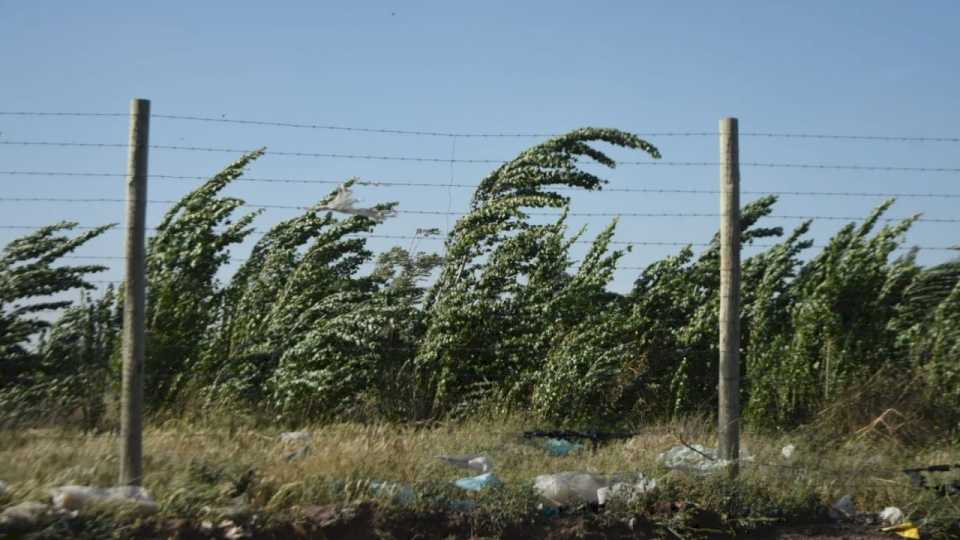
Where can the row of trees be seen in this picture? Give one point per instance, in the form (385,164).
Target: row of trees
(508,322)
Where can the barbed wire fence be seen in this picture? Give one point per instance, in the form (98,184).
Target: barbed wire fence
(947,223)
(453,160)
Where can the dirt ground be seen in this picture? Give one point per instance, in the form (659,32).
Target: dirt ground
(366,521)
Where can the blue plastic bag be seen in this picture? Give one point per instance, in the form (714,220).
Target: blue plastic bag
(476,483)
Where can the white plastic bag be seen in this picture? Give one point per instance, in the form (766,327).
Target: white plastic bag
(79,497)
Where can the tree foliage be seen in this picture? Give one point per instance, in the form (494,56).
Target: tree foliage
(506,319)
(30,281)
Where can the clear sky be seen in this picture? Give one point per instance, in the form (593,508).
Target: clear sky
(886,68)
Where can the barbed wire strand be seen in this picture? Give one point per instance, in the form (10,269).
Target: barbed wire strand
(441,239)
(463,134)
(418,159)
(401,183)
(533,213)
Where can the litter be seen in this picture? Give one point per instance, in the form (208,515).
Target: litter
(78,497)
(298,454)
(626,491)
(548,510)
(844,508)
(345,202)
(3,488)
(788,452)
(398,493)
(232,531)
(571,488)
(477,462)
(906,530)
(288,437)
(697,459)
(295,438)
(891,515)
(477,483)
(595,437)
(25,515)
(561,447)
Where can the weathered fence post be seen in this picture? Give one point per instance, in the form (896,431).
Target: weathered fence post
(729,417)
(134,302)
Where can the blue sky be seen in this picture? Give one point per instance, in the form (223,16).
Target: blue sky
(862,68)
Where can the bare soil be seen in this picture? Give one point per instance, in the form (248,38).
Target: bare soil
(367,521)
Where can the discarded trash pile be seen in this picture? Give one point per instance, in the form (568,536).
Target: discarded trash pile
(558,491)
(561,440)
(572,488)
(696,459)
(476,462)
(891,518)
(69,501)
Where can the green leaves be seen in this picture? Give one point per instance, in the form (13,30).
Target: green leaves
(504,292)
(302,331)
(183,296)
(28,277)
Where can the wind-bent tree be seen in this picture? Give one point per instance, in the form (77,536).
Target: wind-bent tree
(183,296)
(477,300)
(29,277)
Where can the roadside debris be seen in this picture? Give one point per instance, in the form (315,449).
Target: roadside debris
(561,447)
(843,509)
(345,202)
(298,454)
(477,462)
(696,459)
(571,488)
(238,511)
(232,531)
(289,437)
(891,515)
(294,438)
(789,452)
(905,530)
(24,516)
(79,497)
(595,437)
(477,483)
(395,491)
(625,490)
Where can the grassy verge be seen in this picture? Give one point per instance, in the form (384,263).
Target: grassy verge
(200,470)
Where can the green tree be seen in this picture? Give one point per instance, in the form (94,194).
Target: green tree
(490,254)
(29,281)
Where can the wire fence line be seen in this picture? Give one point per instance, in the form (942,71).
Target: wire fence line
(435,238)
(532,213)
(420,159)
(374,235)
(401,183)
(452,160)
(464,134)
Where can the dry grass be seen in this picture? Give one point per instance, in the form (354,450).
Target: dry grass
(190,465)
